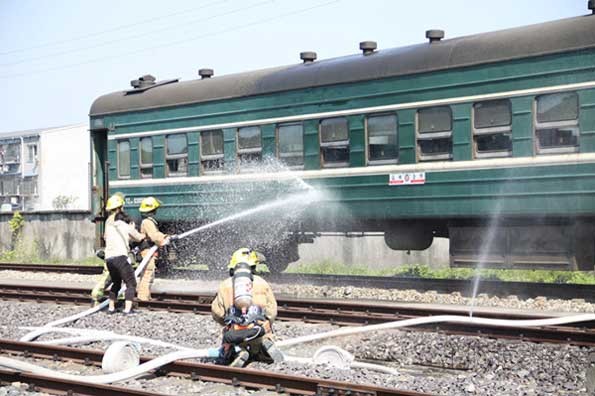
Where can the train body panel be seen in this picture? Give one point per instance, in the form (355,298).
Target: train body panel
(428,140)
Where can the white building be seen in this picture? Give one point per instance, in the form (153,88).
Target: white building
(45,169)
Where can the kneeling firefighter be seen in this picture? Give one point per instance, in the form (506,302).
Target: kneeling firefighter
(246,307)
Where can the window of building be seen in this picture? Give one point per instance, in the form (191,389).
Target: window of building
(211,151)
(492,129)
(334,142)
(434,133)
(123,159)
(31,153)
(12,152)
(146,157)
(10,157)
(249,148)
(290,145)
(556,123)
(176,155)
(382,135)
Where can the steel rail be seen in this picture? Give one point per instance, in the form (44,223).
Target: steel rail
(339,312)
(67,268)
(245,377)
(41,383)
(463,286)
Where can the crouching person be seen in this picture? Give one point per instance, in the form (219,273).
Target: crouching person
(246,307)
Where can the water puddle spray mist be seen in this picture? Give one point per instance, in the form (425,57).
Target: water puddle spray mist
(485,249)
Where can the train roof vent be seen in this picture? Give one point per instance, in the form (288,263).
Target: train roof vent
(434,35)
(205,73)
(368,47)
(143,81)
(308,56)
(146,82)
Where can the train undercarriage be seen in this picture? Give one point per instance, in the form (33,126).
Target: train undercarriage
(509,243)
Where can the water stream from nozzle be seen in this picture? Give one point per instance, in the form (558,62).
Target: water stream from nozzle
(302,199)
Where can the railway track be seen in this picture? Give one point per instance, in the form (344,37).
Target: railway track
(248,378)
(67,268)
(339,312)
(463,286)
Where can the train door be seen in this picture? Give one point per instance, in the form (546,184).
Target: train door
(99,181)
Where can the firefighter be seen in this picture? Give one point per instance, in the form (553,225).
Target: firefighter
(149,227)
(246,307)
(118,231)
(104,280)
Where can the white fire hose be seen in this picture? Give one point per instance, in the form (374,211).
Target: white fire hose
(331,354)
(141,267)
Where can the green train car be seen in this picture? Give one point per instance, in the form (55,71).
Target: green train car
(488,140)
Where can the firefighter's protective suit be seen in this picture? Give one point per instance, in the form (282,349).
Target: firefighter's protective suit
(247,320)
(150,228)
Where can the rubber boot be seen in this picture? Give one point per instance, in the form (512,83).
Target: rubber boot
(241,359)
(225,353)
(272,350)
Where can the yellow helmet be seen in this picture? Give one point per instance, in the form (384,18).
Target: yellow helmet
(149,204)
(115,201)
(243,255)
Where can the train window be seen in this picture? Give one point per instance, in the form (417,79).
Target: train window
(434,133)
(557,107)
(290,145)
(176,155)
(382,139)
(492,114)
(492,129)
(211,151)
(435,119)
(146,157)
(334,142)
(556,123)
(249,148)
(123,159)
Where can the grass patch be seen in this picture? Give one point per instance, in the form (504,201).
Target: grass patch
(29,253)
(328,267)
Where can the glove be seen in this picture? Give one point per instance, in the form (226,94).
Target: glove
(232,317)
(255,314)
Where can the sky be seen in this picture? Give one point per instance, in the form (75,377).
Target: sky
(58,56)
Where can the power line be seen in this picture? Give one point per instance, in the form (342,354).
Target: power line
(114,29)
(96,60)
(142,35)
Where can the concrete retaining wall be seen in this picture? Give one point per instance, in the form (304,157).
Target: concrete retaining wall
(371,251)
(65,235)
(69,235)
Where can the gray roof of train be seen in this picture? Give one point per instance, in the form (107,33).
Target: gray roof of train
(534,40)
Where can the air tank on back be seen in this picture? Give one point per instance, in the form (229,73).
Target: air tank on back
(242,287)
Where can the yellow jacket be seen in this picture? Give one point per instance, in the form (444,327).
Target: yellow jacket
(149,227)
(262,295)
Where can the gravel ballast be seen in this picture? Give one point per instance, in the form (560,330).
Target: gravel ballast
(358,293)
(429,362)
